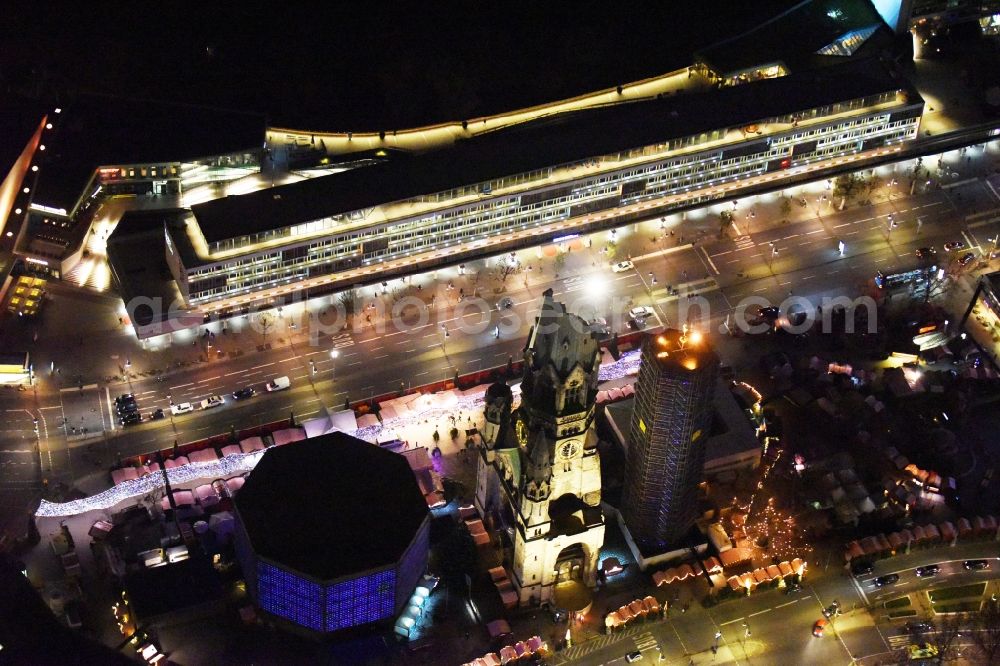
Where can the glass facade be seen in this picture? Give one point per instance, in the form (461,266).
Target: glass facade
(484,210)
(326,608)
(361,600)
(292,597)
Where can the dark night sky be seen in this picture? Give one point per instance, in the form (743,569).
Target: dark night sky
(362,65)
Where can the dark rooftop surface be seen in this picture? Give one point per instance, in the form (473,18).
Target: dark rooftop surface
(550,141)
(97,129)
(794,36)
(158,591)
(370,66)
(137,258)
(331,506)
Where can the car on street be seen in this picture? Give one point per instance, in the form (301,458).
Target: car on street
(158,414)
(633,657)
(888,579)
(212,401)
(918,627)
(640,312)
(634,324)
(279,384)
(505,303)
(954,245)
(131,418)
(995,254)
(927,570)
(925,252)
(600,327)
(769,313)
(862,568)
(123,398)
(793,587)
(244,393)
(966,259)
(622,266)
(181,408)
(127,408)
(831,611)
(819,627)
(976,565)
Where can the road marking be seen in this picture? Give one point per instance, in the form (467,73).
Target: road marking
(818,231)
(266,365)
(845,224)
(181,386)
(794,601)
(202,381)
(230,374)
(808,277)
(710,262)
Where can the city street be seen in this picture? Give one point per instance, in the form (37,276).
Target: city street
(446,334)
(780,625)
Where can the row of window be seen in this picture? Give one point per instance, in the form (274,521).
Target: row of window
(503,215)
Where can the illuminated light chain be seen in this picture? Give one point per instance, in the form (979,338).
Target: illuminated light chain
(241,463)
(231,465)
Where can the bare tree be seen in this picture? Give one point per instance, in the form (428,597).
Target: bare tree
(725,219)
(949,630)
(265,322)
(986,633)
(505,267)
(349,299)
(846,187)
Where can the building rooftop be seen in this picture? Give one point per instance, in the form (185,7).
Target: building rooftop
(159,591)
(95,130)
(681,351)
(561,139)
(796,36)
(137,258)
(331,506)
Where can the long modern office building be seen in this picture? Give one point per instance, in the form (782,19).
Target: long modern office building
(531,183)
(669,429)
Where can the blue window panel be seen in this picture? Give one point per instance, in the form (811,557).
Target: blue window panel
(291,597)
(361,600)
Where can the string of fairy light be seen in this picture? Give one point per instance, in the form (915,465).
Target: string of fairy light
(241,463)
(770,524)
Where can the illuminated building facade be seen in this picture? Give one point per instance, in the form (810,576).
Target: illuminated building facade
(670,426)
(531,183)
(332,532)
(539,475)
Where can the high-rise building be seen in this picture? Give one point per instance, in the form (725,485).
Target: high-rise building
(670,425)
(539,482)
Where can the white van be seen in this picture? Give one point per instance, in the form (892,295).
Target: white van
(278,384)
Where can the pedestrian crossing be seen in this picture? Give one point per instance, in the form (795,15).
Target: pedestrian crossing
(582,649)
(687,289)
(744,242)
(899,641)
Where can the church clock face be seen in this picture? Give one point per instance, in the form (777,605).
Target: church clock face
(569,449)
(521,431)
